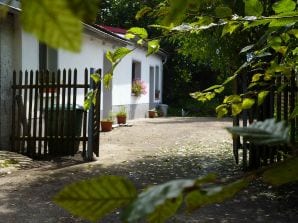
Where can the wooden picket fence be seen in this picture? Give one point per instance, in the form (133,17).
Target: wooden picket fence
(279,105)
(46,120)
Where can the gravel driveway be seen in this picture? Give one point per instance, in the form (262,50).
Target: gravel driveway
(152,151)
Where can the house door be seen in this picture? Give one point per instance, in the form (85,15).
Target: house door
(151,88)
(106,92)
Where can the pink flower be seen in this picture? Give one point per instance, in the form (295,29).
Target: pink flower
(138,87)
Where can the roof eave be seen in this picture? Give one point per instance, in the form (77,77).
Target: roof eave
(105,35)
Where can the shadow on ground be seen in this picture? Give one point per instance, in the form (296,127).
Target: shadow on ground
(183,120)
(30,201)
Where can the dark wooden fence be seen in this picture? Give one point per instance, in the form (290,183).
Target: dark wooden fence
(279,104)
(46,120)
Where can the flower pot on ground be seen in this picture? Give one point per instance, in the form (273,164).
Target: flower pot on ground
(121,120)
(121,115)
(152,113)
(106,126)
(107,123)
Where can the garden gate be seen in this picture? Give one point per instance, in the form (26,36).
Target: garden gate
(46,120)
(279,104)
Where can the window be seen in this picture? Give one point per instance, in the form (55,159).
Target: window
(136,71)
(48,58)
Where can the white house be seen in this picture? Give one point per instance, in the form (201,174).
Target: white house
(22,51)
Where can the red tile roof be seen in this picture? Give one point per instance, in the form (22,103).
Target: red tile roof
(116,30)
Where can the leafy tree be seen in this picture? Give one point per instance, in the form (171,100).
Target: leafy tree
(275,53)
(121,13)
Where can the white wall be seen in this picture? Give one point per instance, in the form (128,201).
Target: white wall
(29,52)
(90,56)
(122,77)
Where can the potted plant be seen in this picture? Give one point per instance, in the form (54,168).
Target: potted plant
(138,88)
(152,113)
(121,115)
(107,123)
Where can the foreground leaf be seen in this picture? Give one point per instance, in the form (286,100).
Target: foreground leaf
(261,96)
(155,196)
(86,10)
(247,103)
(253,7)
(53,23)
(92,199)
(284,6)
(283,173)
(120,53)
(223,11)
(199,198)
(165,211)
(153,47)
(143,11)
(230,27)
(266,132)
(138,31)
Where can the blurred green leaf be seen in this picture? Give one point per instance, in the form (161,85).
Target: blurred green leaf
(294,32)
(85,10)
(247,103)
(267,132)
(143,11)
(261,96)
(109,56)
(230,27)
(247,48)
(107,79)
(295,51)
(291,19)
(223,11)
(221,110)
(96,78)
(176,11)
(53,23)
(153,197)
(166,210)
(236,108)
(120,53)
(129,36)
(213,87)
(253,7)
(284,6)
(233,99)
(256,77)
(153,47)
(140,32)
(283,173)
(200,198)
(88,100)
(94,198)
(219,90)
(256,23)
(294,113)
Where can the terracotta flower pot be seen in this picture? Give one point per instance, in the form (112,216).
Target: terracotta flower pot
(152,114)
(121,119)
(106,126)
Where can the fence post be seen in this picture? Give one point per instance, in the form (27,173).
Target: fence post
(97,118)
(93,120)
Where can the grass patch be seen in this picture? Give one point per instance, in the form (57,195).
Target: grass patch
(8,162)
